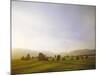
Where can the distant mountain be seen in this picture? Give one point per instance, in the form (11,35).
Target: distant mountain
(18,53)
(82,52)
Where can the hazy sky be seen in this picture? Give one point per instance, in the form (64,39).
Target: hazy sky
(54,27)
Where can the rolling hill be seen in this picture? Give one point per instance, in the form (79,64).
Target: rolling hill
(18,53)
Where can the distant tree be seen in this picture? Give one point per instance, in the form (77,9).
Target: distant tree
(77,57)
(53,58)
(50,58)
(81,57)
(22,58)
(72,57)
(67,56)
(63,58)
(28,57)
(58,57)
(86,57)
(32,57)
(46,59)
(41,56)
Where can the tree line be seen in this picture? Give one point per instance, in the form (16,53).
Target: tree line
(43,57)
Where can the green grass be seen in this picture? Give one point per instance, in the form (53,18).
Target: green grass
(34,66)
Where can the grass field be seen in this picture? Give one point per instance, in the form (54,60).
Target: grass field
(35,66)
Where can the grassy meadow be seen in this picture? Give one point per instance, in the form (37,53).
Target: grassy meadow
(70,63)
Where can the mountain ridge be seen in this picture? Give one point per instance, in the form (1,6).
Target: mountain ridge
(18,53)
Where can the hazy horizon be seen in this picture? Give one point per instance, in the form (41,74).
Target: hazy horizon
(53,27)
